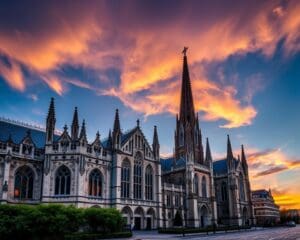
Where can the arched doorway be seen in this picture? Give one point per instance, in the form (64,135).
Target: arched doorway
(244,217)
(138,219)
(203,216)
(127,215)
(150,218)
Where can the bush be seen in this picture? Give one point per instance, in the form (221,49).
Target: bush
(54,221)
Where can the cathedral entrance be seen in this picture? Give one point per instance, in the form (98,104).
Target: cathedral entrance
(138,219)
(137,223)
(203,216)
(150,216)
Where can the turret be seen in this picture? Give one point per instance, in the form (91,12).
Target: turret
(75,126)
(116,136)
(244,161)
(208,157)
(50,124)
(155,144)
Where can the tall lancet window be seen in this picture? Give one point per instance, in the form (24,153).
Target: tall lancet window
(181,135)
(137,177)
(95,183)
(204,190)
(24,183)
(125,179)
(149,183)
(241,187)
(196,185)
(62,181)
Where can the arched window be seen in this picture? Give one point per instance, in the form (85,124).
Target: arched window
(24,183)
(196,185)
(125,179)
(137,177)
(204,190)
(241,186)
(149,183)
(181,135)
(224,191)
(95,183)
(62,181)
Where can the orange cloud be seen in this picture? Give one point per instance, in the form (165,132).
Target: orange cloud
(274,169)
(147,57)
(13,75)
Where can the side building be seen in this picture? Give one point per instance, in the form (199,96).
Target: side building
(266,211)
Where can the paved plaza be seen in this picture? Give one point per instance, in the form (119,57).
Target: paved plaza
(280,233)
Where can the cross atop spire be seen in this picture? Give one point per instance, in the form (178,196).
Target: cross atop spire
(184,50)
(187,111)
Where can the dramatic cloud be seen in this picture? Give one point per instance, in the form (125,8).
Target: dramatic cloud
(142,42)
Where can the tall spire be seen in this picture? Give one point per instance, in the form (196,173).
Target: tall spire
(83,132)
(50,124)
(187,112)
(155,144)
(208,158)
(117,127)
(75,125)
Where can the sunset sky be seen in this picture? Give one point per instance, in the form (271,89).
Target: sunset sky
(244,60)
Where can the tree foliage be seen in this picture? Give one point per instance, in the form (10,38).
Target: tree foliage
(53,221)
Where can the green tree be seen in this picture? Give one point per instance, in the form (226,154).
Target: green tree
(177,219)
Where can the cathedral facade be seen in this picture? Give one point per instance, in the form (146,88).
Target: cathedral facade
(125,171)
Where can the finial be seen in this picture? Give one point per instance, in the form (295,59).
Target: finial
(184,51)
(65,127)
(138,122)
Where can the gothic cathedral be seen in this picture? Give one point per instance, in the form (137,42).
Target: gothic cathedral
(126,172)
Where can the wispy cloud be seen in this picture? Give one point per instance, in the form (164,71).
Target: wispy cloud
(101,36)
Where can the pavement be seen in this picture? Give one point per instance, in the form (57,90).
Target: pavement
(278,233)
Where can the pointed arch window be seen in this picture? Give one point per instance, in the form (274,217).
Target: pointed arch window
(204,189)
(149,183)
(224,191)
(62,181)
(196,184)
(95,183)
(241,188)
(137,177)
(24,183)
(125,179)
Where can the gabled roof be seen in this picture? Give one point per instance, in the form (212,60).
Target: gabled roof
(127,135)
(18,133)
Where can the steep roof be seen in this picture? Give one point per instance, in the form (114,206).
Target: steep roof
(19,132)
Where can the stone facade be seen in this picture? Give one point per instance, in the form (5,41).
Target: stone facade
(124,171)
